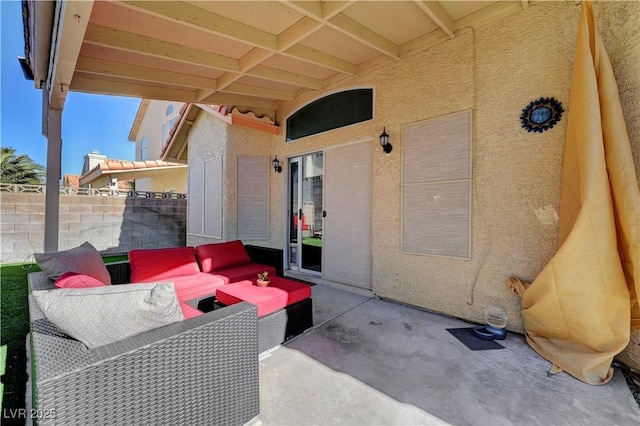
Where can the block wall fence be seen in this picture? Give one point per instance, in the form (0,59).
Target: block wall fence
(113,224)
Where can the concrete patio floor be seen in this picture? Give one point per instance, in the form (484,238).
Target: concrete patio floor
(369,361)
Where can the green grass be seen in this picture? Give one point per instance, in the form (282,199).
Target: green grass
(310,241)
(3,366)
(14,326)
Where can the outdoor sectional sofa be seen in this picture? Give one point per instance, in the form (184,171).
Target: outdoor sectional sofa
(201,370)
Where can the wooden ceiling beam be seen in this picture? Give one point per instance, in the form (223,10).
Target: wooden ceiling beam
(285,43)
(104,36)
(297,32)
(70,25)
(135,72)
(230,99)
(439,16)
(283,76)
(89,84)
(201,19)
(364,35)
(490,13)
(332,8)
(330,14)
(312,9)
(314,56)
(260,92)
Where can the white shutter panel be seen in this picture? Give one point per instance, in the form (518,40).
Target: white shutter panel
(253,198)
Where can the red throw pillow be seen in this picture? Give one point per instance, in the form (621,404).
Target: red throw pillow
(75,280)
(162,264)
(189,311)
(217,256)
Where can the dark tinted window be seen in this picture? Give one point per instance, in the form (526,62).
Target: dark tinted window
(331,112)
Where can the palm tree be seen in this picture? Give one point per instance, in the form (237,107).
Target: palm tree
(20,169)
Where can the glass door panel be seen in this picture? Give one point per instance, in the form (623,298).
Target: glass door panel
(306,213)
(294,191)
(311,213)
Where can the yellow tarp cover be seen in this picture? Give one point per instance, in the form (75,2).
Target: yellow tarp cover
(579,311)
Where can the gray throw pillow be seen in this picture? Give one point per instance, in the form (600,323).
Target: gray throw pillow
(100,315)
(84,259)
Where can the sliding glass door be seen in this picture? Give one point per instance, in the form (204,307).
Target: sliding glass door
(306,213)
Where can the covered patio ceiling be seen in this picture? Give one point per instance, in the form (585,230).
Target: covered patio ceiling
(244,55)
(248,55)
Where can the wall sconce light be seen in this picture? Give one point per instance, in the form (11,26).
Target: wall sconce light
(384,141)
(276,165)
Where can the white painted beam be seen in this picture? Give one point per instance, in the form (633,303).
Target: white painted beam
(364,35)
(439,16)
(283,76)
(103,36)
(239,100)
(134,72)
(297,32)
(54,167)
(260,92)
(332,8)
(201,19)
(317,57)
(70,24)
(90,84)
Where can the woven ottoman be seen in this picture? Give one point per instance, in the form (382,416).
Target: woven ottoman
(284,308)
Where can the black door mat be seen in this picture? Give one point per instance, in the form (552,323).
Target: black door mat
(466,336)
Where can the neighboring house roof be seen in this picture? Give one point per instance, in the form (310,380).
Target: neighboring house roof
(142,109)
(124,170)
(71,181)
(175,148)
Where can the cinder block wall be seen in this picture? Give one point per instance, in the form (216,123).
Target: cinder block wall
(111,224)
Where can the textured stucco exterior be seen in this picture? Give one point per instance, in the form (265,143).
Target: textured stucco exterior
(169,181)
(211,137)
(151,128)
(495,71)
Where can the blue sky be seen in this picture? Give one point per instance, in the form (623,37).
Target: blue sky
(88,121)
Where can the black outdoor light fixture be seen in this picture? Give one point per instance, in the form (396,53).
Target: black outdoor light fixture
(384,141)
(276,165)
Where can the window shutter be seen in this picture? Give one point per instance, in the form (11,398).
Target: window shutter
(436,186)
(253,198)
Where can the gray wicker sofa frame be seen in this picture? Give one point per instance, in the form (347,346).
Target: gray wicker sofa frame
(201,371)
(273,329)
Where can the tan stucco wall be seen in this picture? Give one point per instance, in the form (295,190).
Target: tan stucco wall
(171,180)
(151,128)
(496,71)
(210,138)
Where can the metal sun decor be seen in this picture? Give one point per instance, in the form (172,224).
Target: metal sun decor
(541,115)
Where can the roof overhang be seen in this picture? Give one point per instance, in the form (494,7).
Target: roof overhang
(102,174)
(176,147)
(249,56)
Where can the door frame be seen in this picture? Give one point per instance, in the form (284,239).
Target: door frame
(289,214)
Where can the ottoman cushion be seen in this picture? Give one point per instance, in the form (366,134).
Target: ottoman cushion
(280,293)
(267,299)
(296,292)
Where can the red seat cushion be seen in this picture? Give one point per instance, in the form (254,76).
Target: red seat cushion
(249,271)
(214,257)
(280,293)
(74,280)
(192,286)
(162,264)
(189,311)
